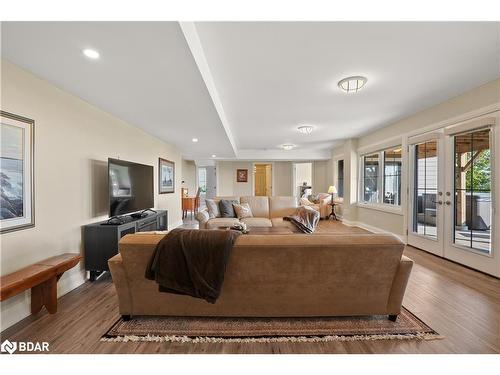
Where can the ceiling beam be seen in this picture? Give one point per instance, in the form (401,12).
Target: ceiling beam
(193,41)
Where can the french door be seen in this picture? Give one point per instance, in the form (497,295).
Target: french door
(451,194)
(426,193)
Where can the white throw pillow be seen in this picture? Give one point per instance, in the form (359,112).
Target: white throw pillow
(242,210)
(212,208)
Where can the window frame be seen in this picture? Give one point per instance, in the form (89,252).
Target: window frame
(380,180)
(339,178)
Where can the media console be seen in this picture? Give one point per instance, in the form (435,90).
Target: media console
(101,239)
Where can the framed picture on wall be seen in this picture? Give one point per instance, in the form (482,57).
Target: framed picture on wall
(242,175)
(166,178)
(17,209)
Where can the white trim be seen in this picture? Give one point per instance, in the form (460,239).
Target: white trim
(490,109)
(380,146)
(390,208)
(473,125)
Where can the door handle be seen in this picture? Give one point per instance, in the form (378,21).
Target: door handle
(439,202)
(448,203)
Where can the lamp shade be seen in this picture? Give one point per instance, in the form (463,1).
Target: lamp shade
(332,190)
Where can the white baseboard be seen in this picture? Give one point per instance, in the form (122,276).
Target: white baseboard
(373,229)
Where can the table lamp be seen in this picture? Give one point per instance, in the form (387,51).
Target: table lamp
(332,190)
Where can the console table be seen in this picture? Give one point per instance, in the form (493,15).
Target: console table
(101,239)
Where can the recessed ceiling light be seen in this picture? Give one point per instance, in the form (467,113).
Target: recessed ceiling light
(305,129)
(214,156)
(288,146)
(352,84)
(195,140)
(91,53)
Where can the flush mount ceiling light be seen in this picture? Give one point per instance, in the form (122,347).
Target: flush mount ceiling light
(351,85)
(91,53)
(288,146)
(305,129)
(195,140)
(214,156)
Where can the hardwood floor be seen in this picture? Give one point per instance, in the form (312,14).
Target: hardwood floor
(461,304)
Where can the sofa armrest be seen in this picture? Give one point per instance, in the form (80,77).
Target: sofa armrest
(202,217)
(399,286)
(120,282)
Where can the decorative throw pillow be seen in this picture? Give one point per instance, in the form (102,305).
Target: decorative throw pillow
(242,210)
(212,208)
(226,208)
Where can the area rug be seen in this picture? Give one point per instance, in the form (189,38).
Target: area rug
(318,329)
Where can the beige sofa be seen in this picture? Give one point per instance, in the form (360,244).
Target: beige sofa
(267,212)
(278,275)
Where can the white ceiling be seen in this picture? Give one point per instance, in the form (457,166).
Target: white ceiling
(146,76)
(250,84)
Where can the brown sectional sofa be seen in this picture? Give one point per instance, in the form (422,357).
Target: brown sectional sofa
(267,212)
(278,275)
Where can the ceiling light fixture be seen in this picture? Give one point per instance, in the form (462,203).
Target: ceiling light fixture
(91,53)
(305,129)
(214,156)
(288,146)
(195,140)
(351,85)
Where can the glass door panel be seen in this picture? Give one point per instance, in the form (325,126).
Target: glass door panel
(425,224)
(472,191)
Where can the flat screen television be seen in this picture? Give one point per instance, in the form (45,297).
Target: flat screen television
(130,187)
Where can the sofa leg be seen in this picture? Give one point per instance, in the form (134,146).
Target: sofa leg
(126,318)
(393,318)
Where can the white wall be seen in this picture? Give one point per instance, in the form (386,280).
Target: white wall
(73,140)
(189,176)
(226,178)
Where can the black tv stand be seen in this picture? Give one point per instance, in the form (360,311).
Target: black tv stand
(101,239)
(141,214)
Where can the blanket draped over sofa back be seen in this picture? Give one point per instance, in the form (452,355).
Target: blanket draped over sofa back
(192,262)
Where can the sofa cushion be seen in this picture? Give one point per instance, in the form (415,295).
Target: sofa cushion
(282,206)
(242,210)
(226,208)
(279,222)
(257,222)
(258,205)
(221,222)
(212,208)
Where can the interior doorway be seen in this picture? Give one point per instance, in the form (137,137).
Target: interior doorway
(302,179)
(263,179)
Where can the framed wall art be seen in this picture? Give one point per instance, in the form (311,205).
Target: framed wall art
(242,175)
(166,178)
(17,208)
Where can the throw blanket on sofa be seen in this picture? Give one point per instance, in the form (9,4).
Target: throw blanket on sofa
(305,218)
(192,262)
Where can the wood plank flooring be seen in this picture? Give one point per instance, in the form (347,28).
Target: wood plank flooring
(461,304)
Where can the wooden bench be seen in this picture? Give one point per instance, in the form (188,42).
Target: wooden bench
(42,278)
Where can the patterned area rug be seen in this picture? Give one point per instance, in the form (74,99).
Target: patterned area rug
(207,329)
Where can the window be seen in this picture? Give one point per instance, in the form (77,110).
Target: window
(392,176)
(340,178)
(370,178)
(381,177)
(202,180)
